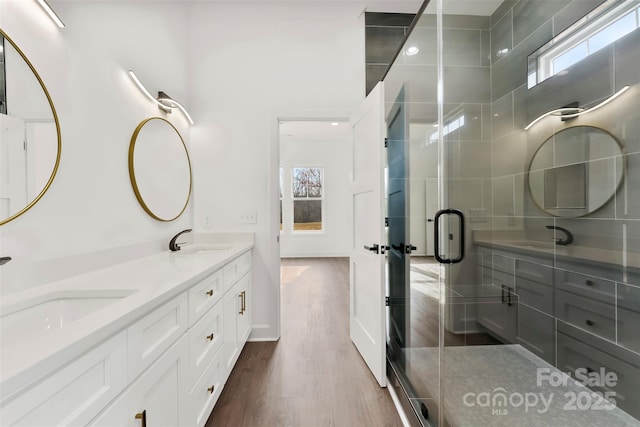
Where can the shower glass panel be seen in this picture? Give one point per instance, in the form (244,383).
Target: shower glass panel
(509,313)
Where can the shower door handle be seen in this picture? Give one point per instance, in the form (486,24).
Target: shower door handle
(436,236)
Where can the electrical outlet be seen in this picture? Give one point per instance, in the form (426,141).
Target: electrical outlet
(248,217)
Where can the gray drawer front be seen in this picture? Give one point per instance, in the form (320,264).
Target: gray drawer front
(588,286)
(574,354)
(536,332)
(629,297)
(503,263)
(534,272)
(591,315)
(535,295)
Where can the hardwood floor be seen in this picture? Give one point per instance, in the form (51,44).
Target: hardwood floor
(313,376)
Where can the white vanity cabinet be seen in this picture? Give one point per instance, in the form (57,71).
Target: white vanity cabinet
(155,398)
(165,368)
(237,321)
(74,394)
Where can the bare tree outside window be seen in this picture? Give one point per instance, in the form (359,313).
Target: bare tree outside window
(307,190)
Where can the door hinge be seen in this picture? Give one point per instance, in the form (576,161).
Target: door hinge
(386,301)
(24,145)
(386,142)
(386,221)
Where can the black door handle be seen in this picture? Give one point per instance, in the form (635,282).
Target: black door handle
(436,236)
(375,248)
(409,248)
(429,220)
(399,247)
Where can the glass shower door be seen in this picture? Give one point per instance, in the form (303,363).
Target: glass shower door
(528,312)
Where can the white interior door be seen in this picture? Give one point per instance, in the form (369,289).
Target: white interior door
(367,287)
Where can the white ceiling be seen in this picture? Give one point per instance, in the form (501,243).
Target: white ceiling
(452,7)
(390,6)
(314,131)
(465,7)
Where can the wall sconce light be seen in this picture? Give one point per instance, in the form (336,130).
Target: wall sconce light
(164,101)
(54,17)
(573,112)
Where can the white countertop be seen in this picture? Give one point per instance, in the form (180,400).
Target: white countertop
(152,281)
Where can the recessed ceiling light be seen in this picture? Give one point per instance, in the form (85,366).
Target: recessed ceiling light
(335,124)
(412,50)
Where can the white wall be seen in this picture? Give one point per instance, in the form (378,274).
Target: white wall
(335,157)
(90,205)
(252,64)
(239,67)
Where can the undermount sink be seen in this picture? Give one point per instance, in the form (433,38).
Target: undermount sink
(194,250)
(531,244)
(50,312)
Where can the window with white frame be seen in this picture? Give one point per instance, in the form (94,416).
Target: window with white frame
(589,36)
(307,189)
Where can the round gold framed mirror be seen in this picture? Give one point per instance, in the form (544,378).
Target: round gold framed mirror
(160,169)
(30,138)
(576,171)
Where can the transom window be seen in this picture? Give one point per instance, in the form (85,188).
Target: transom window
(597,30)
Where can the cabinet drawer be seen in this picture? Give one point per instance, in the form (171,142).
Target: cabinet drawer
(588,286)
(503,263)
(75,394)
(535,294)
(204,295)
(205,393)
(534,272)
(151,336)
(496,278)
(574,354)
(593,316)
(236,269)
(205,339)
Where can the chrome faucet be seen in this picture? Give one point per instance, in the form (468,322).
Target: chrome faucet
(175,246)
(560,241)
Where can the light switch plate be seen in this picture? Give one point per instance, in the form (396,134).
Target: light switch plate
(248,217)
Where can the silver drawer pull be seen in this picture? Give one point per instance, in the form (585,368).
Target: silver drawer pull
(589,322)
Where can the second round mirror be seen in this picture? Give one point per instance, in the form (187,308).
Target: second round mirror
(160,169)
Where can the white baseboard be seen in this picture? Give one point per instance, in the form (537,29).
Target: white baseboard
(262,333)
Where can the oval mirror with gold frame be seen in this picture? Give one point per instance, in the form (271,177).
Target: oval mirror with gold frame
(160,169)
(30,138)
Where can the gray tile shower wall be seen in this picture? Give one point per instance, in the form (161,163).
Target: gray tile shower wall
(579,317)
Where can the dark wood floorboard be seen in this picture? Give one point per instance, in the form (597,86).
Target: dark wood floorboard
(313,376)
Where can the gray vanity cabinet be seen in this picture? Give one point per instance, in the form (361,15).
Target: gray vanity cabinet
(497,304)
(571,313)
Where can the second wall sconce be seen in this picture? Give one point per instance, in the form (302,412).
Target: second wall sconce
(52,14)
(164,101)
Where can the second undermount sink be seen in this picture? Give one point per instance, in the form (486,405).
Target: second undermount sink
(197,249)
(531,244)
(50,312)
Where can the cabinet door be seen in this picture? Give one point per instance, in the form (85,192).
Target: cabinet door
(244,314)
(155,397)
(75,393)
(232,305)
